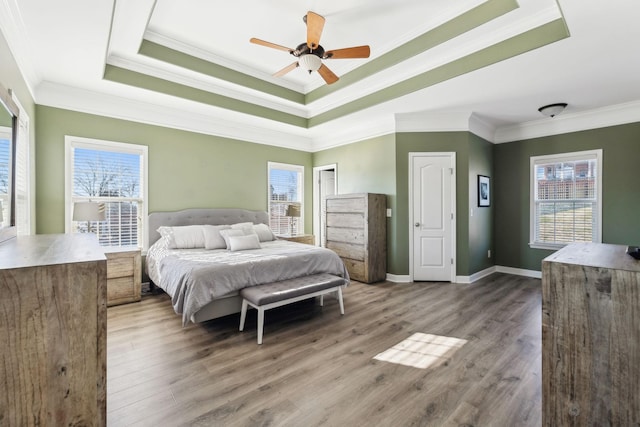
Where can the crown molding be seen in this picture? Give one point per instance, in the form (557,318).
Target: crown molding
(432,122)
(13,29)
(482,128)
(612,115)
(351,130)
(197,52)
(206,120)
(220,87)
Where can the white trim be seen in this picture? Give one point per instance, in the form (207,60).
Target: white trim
(171,43)
(476,276)
(612,115)
(519,272)
(24,134)
(71,142)
(220,87)
(452,159)
(183,115)
(398,278)
(317,204)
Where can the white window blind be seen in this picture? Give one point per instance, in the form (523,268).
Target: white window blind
(5,158)
(286,198)
(566,199)
(113,174)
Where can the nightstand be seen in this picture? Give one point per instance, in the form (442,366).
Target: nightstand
(308,239)
(124,274)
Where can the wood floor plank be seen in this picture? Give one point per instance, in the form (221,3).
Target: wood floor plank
(317,368)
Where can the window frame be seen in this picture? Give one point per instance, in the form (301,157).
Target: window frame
(294,168)
(559,158)
(73,142)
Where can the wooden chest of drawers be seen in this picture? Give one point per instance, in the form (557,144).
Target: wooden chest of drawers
(124,275)
(53,331)
(356,229)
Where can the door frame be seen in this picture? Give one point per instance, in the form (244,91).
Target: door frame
(317,202)
(452,156)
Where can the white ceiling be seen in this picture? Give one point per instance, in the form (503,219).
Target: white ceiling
(63,47)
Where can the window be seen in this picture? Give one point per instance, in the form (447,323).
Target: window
(286,199)
(566,192)
(113,174)
(24,176)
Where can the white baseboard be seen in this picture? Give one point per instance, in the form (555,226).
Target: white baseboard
(395,278)
(519,272)
(476,276)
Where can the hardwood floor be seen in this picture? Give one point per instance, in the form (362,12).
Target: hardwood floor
(317,368)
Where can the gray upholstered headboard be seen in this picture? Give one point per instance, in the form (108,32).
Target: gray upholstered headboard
(203,216)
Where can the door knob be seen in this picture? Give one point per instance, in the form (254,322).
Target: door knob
(417,224)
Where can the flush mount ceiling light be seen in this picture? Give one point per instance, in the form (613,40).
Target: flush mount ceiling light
(553,110)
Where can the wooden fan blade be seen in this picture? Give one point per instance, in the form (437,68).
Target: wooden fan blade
(349,52)
(286,69)
(269,44)
(315,24)
(327,74)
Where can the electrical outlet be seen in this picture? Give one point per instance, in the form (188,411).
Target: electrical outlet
(489,253)
(388,213)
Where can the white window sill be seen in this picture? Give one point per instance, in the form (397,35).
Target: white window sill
(547,246)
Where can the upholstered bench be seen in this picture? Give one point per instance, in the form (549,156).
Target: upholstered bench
(271,295)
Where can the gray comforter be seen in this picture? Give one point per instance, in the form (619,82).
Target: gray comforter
(195,277)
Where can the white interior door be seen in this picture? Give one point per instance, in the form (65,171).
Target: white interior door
(432,216)
(325,184)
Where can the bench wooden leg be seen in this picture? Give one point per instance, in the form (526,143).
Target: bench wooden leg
(260,324)
(243,314)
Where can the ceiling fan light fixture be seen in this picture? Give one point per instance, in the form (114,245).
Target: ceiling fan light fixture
(310,62)
(553,110)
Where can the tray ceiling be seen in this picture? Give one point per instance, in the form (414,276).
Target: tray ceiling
(190,65)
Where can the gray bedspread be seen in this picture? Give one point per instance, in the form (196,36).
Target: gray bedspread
(195,277)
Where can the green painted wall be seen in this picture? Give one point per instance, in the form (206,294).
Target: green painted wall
(417,142)
(368,167)
(481,223)
(186,169)
(621,193)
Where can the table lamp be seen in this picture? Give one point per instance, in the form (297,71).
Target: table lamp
(293,211)
(89,211)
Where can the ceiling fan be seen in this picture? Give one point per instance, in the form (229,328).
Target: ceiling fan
(310,54)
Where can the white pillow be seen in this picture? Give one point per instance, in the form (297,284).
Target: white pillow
(226,234)
(264,232)
(212,237)
(242,225)
(240,243)
(183,237)
(246,227)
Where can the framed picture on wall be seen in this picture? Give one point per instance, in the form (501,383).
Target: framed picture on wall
(484,191)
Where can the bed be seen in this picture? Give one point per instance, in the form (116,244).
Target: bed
(204,282)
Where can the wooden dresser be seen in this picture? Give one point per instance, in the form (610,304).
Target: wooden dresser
(53,331)
(590,337)
(124,275)
(356,229)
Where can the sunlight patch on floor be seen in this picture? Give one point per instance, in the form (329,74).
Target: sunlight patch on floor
(422,351)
